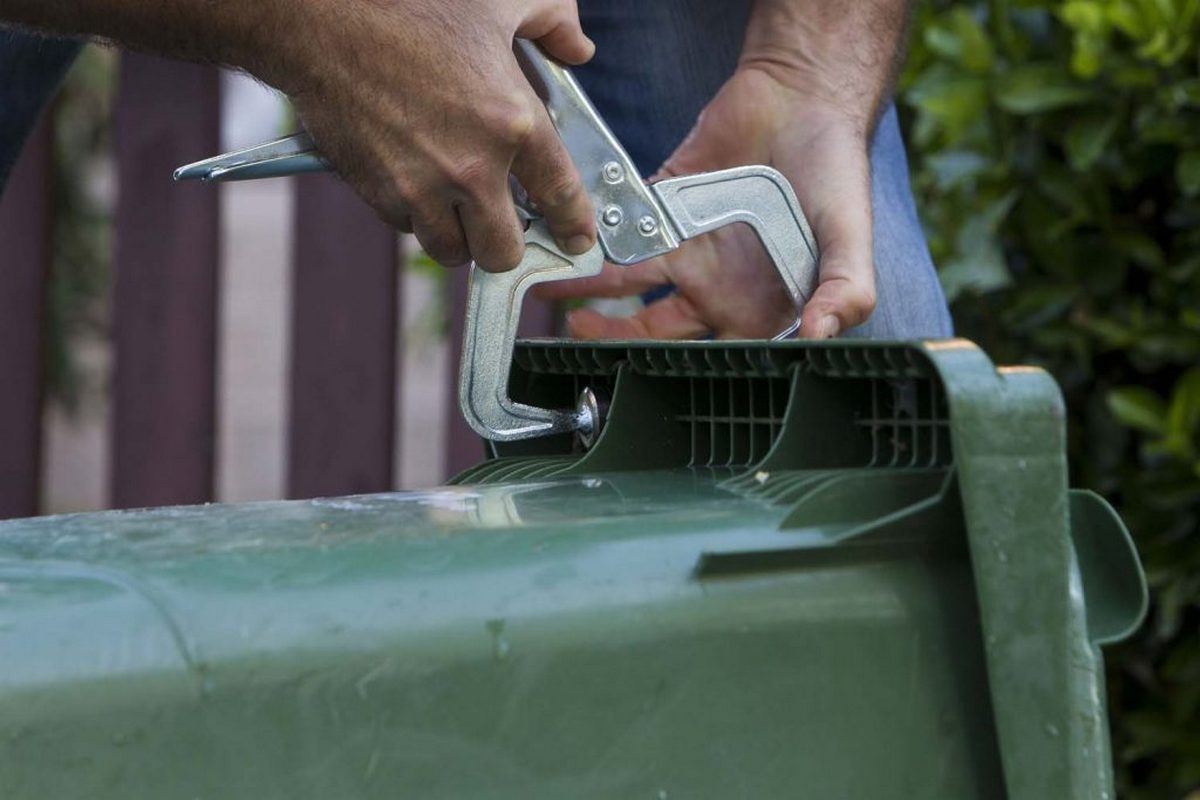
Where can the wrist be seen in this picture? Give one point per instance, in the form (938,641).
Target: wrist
(806,106)
(839,59)
(273,41)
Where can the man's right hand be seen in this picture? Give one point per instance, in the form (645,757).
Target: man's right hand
(421,106)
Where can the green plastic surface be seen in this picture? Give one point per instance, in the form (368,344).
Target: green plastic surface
(786,570)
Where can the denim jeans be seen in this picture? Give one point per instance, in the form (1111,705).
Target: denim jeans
(658,62)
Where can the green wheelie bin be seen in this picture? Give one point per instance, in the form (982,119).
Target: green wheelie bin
(839,571)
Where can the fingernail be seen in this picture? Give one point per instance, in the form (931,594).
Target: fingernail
(828,328)
(576,245)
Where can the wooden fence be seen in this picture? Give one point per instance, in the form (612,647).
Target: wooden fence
(344,316)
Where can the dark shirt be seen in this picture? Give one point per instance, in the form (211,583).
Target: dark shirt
(31,68)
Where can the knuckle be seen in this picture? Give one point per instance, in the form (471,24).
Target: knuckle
(560,190)
(511,120)
(394,218)
(501,246)
(866,301)
(470,175)
(443,248)
(389,191)
(509,254)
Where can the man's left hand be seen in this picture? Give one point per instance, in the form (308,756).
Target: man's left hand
(725,283)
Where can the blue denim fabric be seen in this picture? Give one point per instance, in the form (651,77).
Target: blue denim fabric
(31,67)
(656,66)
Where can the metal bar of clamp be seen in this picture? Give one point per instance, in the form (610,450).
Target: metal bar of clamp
(291,155)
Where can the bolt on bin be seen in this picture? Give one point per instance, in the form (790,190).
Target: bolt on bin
(828,570)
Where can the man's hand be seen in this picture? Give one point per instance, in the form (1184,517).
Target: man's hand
(803,100)
(419,104)
(422,107)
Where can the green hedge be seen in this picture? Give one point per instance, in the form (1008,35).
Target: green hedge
(1056,158)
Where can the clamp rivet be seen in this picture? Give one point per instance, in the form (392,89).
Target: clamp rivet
(648,226)
(612,216)
(613,173)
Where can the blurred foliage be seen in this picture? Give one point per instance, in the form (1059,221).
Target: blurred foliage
(1056,161)
(79,278)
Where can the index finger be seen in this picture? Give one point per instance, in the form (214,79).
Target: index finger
(549,176)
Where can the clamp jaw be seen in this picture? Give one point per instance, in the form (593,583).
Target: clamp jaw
(637,221)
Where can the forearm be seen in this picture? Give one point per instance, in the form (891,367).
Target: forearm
(843,54)
(230,32)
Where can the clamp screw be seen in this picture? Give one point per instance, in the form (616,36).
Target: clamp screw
(590,412)
(613,173)
(648,226)
(612,216)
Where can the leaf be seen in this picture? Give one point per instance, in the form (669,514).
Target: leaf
(1087,139)
(1139,248)
(1088,56)
(993,215)
(980,270)
(1139,408)
(1036,88)
(954,101)
(977,53)
(1184,93)
(943,42)
(1036,306)
(978,265)
(1085,16)
(951,168)
(1064,189)
(1187,172)
(1183,415)
(961,39)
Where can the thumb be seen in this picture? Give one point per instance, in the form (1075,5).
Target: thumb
(835,192)
(845,296)
(555,26)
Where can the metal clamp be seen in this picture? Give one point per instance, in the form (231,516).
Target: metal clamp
(756,196)
(636,221)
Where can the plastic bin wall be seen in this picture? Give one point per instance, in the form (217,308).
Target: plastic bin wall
(786,570)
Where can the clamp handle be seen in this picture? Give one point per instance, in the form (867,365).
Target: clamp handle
(291,155)
(630,221)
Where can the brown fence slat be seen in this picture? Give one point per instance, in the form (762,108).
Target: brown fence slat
(25,228)
(342,417)
(538,318)
(165,286)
